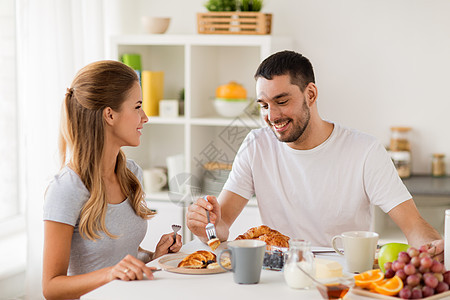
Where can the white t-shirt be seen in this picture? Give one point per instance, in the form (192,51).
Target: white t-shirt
(64,199)
(318,193)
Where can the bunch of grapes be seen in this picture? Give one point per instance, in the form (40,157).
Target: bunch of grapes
(422,275)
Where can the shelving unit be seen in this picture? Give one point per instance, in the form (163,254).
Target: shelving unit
(199,64)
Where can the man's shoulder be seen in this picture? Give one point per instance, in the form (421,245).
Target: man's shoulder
(355,135)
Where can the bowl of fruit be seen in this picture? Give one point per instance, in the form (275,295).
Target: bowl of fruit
(231,100)
(412,274)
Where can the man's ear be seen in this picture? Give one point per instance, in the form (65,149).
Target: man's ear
(108,115)
(311,93)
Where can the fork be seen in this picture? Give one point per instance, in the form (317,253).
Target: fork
(210,229)
(175,229)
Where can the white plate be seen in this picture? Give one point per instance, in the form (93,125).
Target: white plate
(170,263)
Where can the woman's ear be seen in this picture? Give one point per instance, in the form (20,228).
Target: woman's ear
(108,115)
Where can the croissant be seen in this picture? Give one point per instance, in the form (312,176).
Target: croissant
(264,233)
(198,260)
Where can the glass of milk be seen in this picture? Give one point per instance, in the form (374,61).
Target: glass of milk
(299,254)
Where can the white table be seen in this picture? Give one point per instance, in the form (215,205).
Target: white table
(167,285)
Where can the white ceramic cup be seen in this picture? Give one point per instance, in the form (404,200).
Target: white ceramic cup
(359,249)
(246,260)
(175,167)
(154,179)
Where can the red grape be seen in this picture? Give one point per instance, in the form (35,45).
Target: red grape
(412,252)
(426,262)
(431,281)
(424,270)
(447,277)
(389,273)
(388,265)
(415,261)
(424,248)
(400,273)
(441,287)
(405,293)
(437,267)
(439,277)
(397,265)
(427,291)
(403,257)
(409,269)
(413,280)
(416,293)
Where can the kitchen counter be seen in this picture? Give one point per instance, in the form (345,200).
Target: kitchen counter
(167,285)
(426,185)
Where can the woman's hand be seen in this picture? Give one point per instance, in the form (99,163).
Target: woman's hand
(130,268)
(167,244)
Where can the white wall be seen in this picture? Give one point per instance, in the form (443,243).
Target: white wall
(378,63)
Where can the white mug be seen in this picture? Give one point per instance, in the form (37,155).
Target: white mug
(359,249)
(154,179)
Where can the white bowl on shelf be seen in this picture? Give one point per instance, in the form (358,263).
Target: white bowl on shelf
(230,107)
(155,25)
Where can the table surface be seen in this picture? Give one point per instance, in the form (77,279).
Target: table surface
(219,286)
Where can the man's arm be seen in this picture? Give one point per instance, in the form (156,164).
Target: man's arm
(418,232)
(222,215)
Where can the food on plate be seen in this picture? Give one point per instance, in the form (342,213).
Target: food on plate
(367,279)
(226,262)
(198,260)
(388,287)
(326,268)
(413,274)
(214,243)
(389,252)
(265,233)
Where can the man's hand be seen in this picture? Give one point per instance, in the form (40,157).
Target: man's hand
(436,250)
(196,215)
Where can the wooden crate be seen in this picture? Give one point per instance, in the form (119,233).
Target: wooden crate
(234,22)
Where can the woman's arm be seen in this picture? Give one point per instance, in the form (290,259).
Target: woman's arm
(55,282)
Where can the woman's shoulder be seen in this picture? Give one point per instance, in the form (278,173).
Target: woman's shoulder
(133,166)
(67,180)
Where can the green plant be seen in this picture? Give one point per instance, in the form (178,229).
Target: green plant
(221,5)
(250,5)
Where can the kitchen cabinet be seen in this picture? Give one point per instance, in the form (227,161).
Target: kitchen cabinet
(199,64)
(431,196)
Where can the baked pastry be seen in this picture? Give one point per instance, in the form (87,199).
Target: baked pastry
(214,243)
(198,260)
(226,262)
(264,233)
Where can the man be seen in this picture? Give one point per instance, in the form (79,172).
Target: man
(313,179)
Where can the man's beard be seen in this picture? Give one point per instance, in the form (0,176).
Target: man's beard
(298,128)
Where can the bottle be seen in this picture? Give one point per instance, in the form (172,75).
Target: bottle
(438,165)
(447,240)
(299,254)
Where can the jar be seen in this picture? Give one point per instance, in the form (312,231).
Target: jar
(400,139)
(299,254)
(402,162)
(438,165)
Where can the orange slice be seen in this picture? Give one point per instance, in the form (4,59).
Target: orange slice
(391,287)
(366,279)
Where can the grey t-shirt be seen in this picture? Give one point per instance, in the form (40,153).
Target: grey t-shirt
(64,199)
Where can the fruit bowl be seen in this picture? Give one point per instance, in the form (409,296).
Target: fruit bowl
(230,107)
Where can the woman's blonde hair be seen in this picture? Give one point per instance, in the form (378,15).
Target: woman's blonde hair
(97,86)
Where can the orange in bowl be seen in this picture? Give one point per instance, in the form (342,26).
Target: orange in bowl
(366,279)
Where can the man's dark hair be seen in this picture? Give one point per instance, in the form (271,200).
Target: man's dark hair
(291,63)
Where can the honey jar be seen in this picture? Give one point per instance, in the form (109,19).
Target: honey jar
(438,165)
(400,139)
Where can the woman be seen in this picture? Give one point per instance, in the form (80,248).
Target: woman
(94,214)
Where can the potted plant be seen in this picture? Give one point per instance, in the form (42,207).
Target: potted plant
(234,17)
